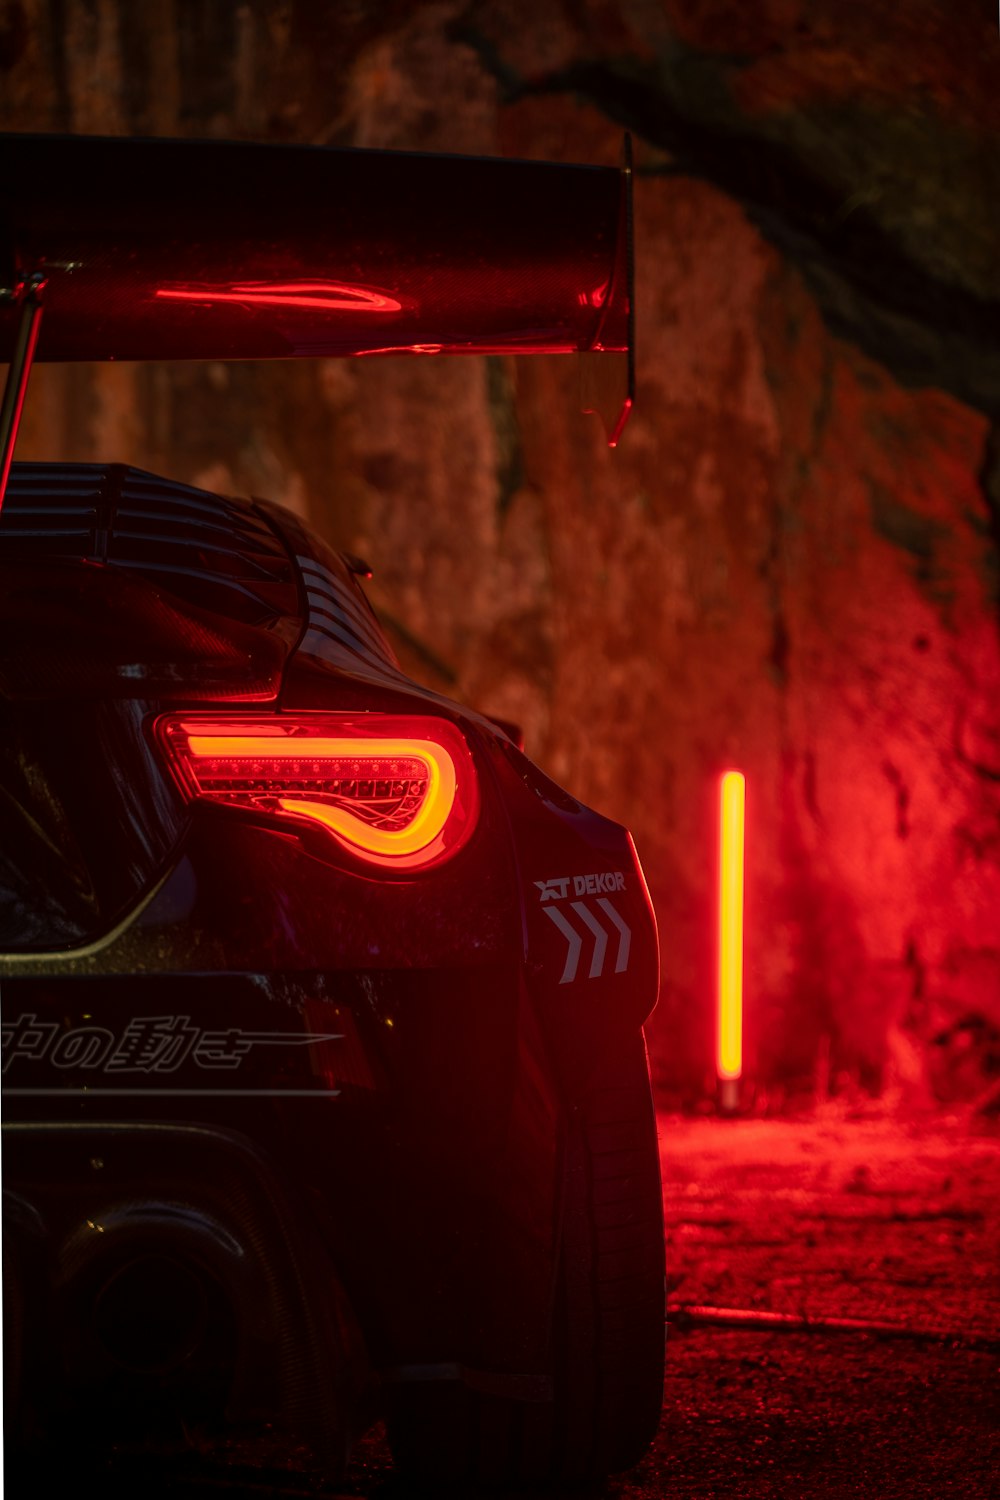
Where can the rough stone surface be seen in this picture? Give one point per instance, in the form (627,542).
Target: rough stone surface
(791,563)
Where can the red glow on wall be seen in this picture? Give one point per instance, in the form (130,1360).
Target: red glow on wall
(322,296)
(732,819)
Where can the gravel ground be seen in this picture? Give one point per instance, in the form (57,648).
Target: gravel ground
(830,1217)
(864,1218)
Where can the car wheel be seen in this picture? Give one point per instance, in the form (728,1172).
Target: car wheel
(609,1321)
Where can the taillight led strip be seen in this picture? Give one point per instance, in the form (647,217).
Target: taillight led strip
(400,793)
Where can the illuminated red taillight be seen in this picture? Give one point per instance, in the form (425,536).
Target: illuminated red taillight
(396,792)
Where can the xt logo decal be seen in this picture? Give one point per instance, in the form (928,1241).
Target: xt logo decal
(583,885)
(596,929)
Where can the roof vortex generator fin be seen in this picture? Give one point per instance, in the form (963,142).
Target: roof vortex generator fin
(162,249)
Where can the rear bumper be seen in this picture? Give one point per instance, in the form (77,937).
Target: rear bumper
(402,1128)
(95,1214)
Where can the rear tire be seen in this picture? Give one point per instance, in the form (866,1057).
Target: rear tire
(609,1320)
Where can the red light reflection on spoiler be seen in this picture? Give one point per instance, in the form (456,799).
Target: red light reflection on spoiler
(595,298)
(311,294)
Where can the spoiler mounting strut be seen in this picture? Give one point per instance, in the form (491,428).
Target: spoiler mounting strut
(28,294)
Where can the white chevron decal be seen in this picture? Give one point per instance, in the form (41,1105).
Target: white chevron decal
(624,935)
(600,938)
(574,941)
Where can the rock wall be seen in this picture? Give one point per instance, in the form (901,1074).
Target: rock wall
(791,564)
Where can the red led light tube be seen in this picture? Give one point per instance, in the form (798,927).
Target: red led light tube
(729,1034)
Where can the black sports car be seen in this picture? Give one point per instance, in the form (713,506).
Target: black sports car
(325,1091)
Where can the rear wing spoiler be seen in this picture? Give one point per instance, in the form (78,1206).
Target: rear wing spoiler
(162,249)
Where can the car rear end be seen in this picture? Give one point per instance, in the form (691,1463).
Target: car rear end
(317,1002)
